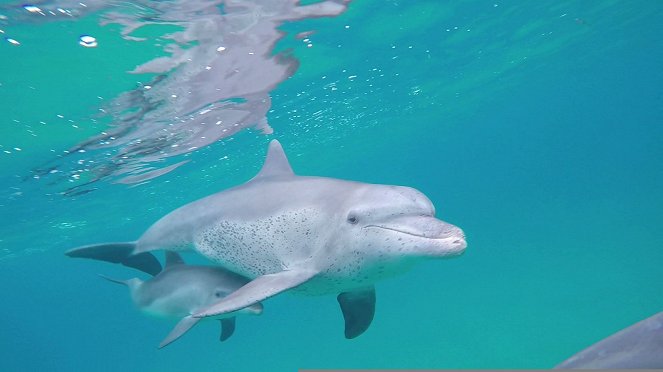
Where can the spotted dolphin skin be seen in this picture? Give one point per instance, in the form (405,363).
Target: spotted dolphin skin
(638,346)
(313,235)
(179,290)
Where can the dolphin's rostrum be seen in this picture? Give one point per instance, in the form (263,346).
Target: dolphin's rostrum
(314,235)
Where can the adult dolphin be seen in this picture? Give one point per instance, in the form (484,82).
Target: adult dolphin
(179,290)
(313,234)
(638,346)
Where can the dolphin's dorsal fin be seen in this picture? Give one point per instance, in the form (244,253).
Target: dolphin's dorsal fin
(172,259)
(276,163)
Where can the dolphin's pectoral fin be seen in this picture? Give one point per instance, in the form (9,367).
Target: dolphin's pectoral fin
(258,289)
(118,253)
(358,308)
(181,328)
(131,283)
(227,328)
(118,281)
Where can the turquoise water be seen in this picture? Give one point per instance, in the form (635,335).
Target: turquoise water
(536,128)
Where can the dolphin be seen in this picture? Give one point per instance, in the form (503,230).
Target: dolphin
(180,290)
(638,346)
(314,235)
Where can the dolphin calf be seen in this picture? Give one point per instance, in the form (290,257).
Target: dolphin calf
(180,290)
(314,235)
(638,346)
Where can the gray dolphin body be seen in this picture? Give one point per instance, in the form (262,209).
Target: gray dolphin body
(315,235)
(638,346)
(180,290)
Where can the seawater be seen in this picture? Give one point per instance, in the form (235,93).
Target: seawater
(535,127)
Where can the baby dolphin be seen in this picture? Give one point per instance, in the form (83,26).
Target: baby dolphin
(314,235)
(639,346)
(180,290)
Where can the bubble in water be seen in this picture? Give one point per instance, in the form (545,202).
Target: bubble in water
(32,8)
(88,41)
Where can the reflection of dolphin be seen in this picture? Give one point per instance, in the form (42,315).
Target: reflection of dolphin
(318,235)
(213,81)
(638,346)
(180,290)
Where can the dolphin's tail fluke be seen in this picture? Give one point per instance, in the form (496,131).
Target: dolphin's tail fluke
(118,253)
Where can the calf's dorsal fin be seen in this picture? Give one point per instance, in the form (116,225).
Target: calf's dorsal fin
(172,259)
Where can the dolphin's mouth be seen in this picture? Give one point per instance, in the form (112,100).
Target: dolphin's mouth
(421,226)
(444,237)
(417,234)
(454,239)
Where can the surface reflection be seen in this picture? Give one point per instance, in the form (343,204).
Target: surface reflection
(214,82)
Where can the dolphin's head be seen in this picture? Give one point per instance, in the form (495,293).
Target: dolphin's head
(399,221)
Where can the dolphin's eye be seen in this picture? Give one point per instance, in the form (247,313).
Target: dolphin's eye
(219,294)
(352,219)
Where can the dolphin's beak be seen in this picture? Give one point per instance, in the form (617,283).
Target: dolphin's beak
(442,239)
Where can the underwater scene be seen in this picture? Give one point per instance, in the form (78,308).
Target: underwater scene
(328,184)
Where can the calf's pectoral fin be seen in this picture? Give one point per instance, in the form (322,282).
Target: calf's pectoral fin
(118,253)
(227,328)
(358,308)
(181,328)
(258,289)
